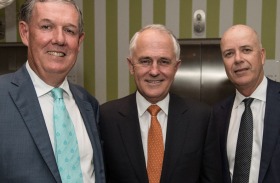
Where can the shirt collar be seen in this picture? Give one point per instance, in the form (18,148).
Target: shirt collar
(143,104)
(41,87)
(259,93)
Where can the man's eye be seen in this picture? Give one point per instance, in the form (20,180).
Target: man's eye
(164,62)
(145,62)
(70,31)
(46,27)
(228,54)
(247,50)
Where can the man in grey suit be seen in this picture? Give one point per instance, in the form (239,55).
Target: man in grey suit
(187,146)
(53,32)
(244,57)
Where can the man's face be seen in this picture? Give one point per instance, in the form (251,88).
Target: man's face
(53,38)
(243,57)
(153,64)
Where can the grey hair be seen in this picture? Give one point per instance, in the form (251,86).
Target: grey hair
(161,28)
(26,8)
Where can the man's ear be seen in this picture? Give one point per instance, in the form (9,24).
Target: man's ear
(130,66)
(24,32)
(263,55)
(81,39)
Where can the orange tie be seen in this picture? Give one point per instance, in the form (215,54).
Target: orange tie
(155,147)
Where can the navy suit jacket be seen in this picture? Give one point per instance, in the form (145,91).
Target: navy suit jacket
(191,149)
(26,154)
(270,155)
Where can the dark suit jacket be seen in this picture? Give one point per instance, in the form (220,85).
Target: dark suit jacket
(191,149)
(270,157)
(26,154)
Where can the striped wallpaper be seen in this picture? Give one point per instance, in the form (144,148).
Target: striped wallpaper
(109,25)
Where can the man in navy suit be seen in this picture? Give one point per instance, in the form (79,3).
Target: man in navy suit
(53,32)
(191,149)
(244,58)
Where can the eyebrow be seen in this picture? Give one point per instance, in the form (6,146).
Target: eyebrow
(50,21)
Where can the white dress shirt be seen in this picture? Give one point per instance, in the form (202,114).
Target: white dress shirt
(258,111)
(45,98)
(145,119)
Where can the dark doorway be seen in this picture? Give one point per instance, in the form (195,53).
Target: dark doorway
(202,75)
(13,56)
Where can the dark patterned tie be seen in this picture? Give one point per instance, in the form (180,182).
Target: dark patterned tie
(243,153)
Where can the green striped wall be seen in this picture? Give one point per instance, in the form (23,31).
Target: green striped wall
(239,12)
(212,14)
(268,26)
(111,48)
(103,74)
(135,23)
(89,76)
(159,12)
(185,19)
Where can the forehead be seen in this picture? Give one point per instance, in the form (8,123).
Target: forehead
(154,35)
(56,11)
(154,40)
(239,36)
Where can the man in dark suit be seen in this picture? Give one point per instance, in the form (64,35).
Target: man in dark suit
(188,148)
(244,58)
(53,33)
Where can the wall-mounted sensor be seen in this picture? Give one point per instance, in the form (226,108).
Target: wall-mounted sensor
(199,22)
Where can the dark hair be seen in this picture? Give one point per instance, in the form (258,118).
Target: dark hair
(25,11)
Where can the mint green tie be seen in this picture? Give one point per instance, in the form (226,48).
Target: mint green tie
(66,144)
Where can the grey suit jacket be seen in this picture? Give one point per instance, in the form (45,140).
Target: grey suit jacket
(270,155)
(26,154)
(191,148)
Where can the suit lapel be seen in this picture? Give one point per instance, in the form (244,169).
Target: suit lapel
(87,113)
(271,127)
(223,118)
(130,132)
(175,135)
(89,116)
(24,96)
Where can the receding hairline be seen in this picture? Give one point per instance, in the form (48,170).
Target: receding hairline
(155,27)
(241,27)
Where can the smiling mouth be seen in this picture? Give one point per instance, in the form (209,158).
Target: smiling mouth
(57,54)
(154,81)
(241,70)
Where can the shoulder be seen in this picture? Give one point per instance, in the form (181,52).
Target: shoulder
(121,103)
(5,87)
(79,91)
(225,103)
(5,79)
(273,85)
(15,79)
(188,103)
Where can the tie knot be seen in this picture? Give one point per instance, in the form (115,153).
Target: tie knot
(248,101)
(154,109)
(57,93)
